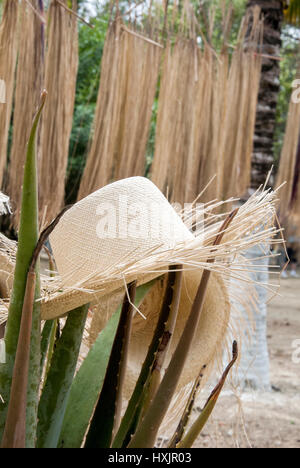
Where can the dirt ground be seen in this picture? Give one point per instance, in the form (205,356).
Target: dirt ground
(272,419)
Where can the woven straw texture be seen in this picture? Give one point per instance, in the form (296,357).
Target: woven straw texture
(209,338)
(139,222)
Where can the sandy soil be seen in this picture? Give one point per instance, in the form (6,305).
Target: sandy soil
(265,420)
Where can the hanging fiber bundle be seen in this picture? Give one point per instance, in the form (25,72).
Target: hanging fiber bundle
(289,168)
(8,57)
(175,120)
(240,114)
(29,83)
(60,82)
(129,73)
(206,117)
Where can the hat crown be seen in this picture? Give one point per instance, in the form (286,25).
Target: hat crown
(121,223)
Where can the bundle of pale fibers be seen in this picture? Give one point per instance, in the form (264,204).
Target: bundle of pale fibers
(129,73)
(206,115)
(174,119)
(239,117)
(190,121)
(203,157)
(8,57)
(289,168)
(60,82)
(29,83)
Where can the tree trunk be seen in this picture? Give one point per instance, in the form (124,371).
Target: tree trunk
(254,366)
(263,157)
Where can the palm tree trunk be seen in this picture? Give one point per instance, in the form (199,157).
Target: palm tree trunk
(254,367)
(263,156)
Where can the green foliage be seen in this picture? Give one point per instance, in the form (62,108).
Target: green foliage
(292,13)
(88,382)
(216,9)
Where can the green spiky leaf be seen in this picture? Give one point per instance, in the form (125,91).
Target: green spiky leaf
(28,237)
(106,412)
(59,379)
(89,380)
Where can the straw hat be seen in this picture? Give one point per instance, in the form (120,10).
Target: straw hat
(123,232)
(129,231)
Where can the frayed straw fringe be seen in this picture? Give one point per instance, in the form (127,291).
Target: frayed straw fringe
(206,117)
(60,82)
(252,226)
(8,57)
(129,74)
(29,85)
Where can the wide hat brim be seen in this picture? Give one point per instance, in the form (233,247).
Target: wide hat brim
(209,337)
(91,268)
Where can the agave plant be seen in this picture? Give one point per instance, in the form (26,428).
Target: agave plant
(45,403)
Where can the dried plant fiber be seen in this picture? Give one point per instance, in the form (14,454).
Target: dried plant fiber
(60,82)
(129,74)
(8,57)
(175,120)
(206,117)
(2,92)
(29,84)
(289,168)
(241,103)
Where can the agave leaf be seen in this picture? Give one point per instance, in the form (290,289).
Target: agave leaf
(147,429)
(178,434)
(59,379)
(14,435)
(155,376)
(47,333)
(28,237)
(86,387)
(88,382)
(107,409)
(17,414)
(200,422)
(135,405)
